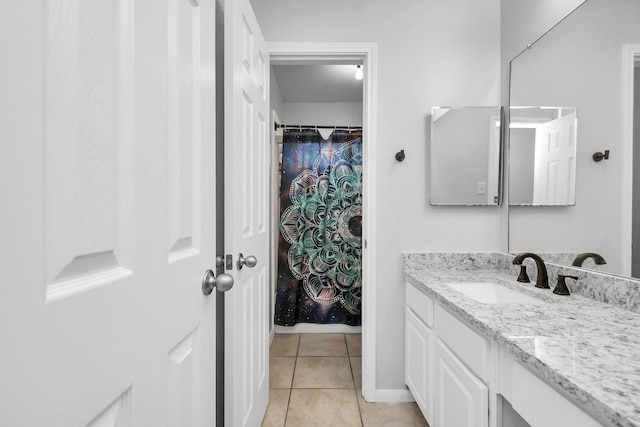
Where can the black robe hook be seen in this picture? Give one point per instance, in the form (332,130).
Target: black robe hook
(600,156)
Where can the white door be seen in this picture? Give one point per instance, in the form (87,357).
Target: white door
(555,162)
(246,215)
(461,399)
(107,219)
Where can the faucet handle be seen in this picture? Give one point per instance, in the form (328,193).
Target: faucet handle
(561,286)
(523,277)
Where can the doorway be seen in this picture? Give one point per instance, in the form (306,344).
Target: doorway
(317,172)
(287,54)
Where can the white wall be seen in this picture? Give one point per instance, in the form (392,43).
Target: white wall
(322,113)
(430,52)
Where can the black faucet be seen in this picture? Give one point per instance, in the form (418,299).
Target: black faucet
(583,256)
(542,280)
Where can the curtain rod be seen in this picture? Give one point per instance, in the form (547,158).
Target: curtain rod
(281,126)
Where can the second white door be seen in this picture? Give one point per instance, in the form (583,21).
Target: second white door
(246,216)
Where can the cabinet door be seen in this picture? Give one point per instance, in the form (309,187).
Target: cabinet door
(419,362)
(461,399)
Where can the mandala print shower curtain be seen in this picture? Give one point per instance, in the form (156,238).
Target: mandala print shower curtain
(320,248)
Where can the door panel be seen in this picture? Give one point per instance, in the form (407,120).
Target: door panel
(110,215)
(246,214)
(555,162)
(461,399)
(87,139)
(183,387)
(183,123)
(418,363)
(118,414)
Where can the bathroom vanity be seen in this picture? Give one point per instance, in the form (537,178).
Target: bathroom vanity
(482,349)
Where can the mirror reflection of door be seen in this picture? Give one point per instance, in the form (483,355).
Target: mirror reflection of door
(542,156)
(555,162)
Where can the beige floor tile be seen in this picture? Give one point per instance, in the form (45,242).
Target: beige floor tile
(356,370)
(281,371)
(390,414)
(324,408)
(284,345)
(323,372)
(277,409)
(354,344)
(322,345)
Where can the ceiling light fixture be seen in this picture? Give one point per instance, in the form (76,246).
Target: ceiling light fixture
(359,72)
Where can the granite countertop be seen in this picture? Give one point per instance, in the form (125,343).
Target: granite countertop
(588,349)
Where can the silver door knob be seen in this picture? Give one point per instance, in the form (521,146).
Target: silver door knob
(249,261)
(222,283)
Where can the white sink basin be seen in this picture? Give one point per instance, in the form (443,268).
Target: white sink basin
(492,293)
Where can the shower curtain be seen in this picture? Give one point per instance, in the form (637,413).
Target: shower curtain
(320,244)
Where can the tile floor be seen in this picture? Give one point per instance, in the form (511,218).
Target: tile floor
(315,380)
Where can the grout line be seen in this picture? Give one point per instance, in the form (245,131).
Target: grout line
(353,378)
(295,364)
(359,407)
(346,344)
(355,390)
(309,357)
(293,376)
(286,412)
(315,388)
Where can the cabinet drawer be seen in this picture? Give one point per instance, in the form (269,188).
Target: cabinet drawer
(421,304)
(527,394)
(470,347)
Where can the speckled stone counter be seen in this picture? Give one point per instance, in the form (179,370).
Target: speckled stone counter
(588,349)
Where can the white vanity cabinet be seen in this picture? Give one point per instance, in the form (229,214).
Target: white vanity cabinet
(459,377)
(442,360)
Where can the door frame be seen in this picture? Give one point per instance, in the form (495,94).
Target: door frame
(282,52)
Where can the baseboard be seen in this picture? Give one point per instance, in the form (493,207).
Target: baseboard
(314,328)
(394,396)
(272,333)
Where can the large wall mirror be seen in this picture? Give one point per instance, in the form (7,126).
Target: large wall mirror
(465,156)
(586,62)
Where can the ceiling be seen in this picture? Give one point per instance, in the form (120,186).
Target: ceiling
(318,83)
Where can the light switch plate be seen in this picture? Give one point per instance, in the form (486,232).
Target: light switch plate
(481,188)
